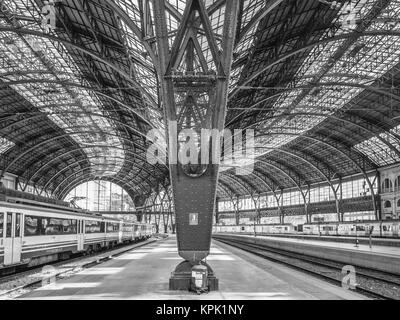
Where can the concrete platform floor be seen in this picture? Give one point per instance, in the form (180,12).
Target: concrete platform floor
(144,274)
(379,250)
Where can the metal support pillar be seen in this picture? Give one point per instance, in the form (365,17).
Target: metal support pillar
(194,93)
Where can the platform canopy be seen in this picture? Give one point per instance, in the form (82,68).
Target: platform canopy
(318,80)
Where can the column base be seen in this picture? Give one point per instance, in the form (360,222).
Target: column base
(182,276)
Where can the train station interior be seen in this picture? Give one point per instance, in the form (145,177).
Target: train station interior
(200,149)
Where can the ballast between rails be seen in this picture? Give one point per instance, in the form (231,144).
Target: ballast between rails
(33,235)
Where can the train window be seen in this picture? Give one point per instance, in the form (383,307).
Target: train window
(35,226)
(69,226)
(31,226)
(17,230)
(9,225)
(1,224)
(52,226)
(112,227)
(92,226)
(102,227)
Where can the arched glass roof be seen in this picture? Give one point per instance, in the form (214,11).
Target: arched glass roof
(317,80)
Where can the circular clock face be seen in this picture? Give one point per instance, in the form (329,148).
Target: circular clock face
(194,170)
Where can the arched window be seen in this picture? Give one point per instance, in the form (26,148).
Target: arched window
(100,196)
(397,183)
(398,203)
(387,185)
(387,204)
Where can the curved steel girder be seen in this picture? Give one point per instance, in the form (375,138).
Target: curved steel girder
(285,169)
(87,147)
(362,171)
(125,125)
(72,84)
(5,169)
(84,50)
(311,45)
(312,114)
(307,87)
(270,6)
(131,25)
(252,173)
(223,192)
(77,178)
(312,165)
(320,163)
(78,175)
(237,193)
(243,183)
(127,176)
(231,193)
(94,114)
(282,171)
(322,174)
(87,178)
(322,142)
(210,10)
(84,160)
(329,84)
(45,115)
(79,149)
(381,124)
(20,135)
(31,72)
(268,177)
(173,11)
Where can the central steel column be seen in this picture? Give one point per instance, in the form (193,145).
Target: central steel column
(194,100)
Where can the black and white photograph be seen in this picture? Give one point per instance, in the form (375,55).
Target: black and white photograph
(199,158)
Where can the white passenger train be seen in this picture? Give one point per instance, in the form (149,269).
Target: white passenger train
(385,228)
(32,235)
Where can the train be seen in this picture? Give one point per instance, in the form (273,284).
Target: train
(32,235)
(381,228)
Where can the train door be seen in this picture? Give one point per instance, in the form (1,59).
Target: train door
(120,232)
(367,228)
(13,240)
(396,231)
(81,237)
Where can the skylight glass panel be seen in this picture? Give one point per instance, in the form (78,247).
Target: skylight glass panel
(5,145)
(365,61)
(143,72)
(72,107)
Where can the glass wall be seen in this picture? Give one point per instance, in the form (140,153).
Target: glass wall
(100,196)
(357,187)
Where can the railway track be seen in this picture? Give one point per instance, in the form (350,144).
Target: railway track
(370,282)
(67,267)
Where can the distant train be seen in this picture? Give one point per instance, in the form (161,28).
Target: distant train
(388,229)
(33,235)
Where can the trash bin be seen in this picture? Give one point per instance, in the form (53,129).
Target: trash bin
(199,279)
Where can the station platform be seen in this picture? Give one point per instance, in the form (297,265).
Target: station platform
(144,274)
(387,242)
(381,250)
(383,258)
